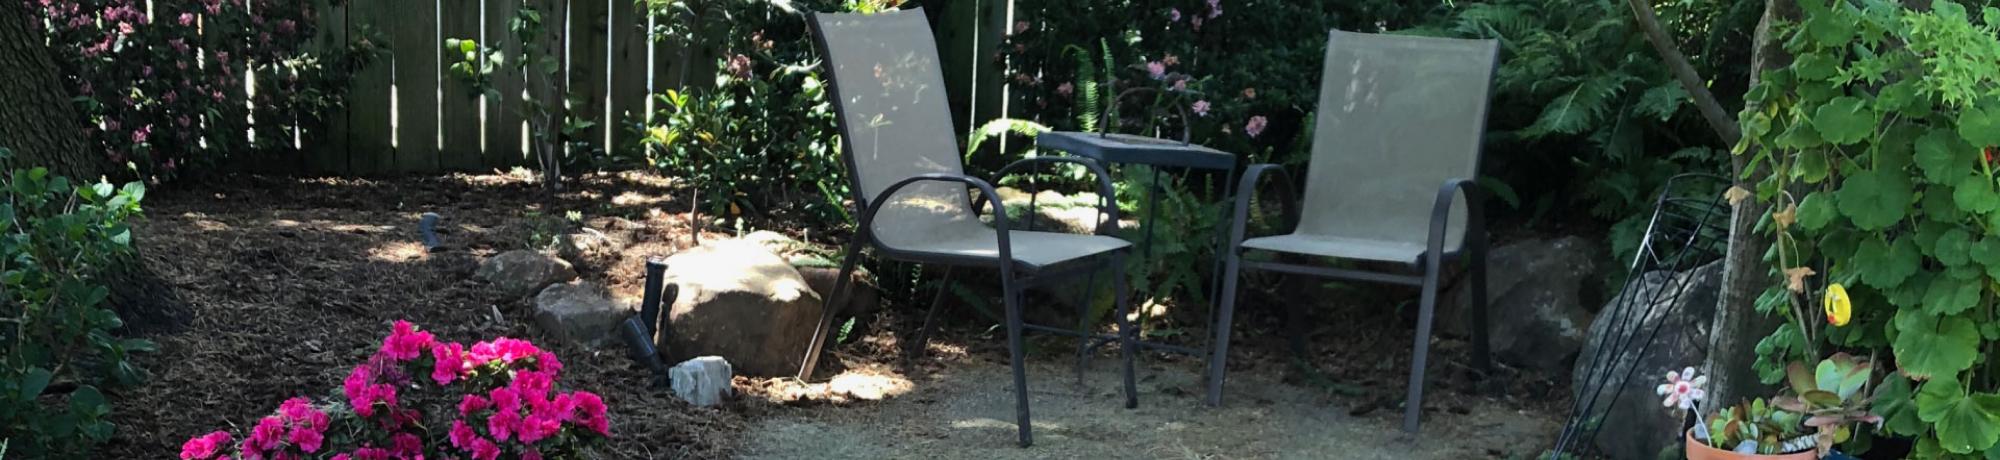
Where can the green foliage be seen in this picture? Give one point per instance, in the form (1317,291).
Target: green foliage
(762,139)
(1887,113)
(1755,420)
(56,341)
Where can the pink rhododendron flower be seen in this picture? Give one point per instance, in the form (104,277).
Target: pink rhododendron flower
(204,447)
(308,441)
(1255,126)
(1200,108)
(547,362)
(1173,15)
(1066,89)
(407,446)
(501,425)
(266,436)
(1156,69)
(537,427)
(472,403)
(485,450)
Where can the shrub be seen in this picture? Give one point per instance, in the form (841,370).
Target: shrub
(1880,137)
(418,397)
(162,83)
(56,342)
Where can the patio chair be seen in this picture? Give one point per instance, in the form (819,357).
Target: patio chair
(1395,144)
(902,152)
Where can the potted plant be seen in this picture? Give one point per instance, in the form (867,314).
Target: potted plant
(1825,403)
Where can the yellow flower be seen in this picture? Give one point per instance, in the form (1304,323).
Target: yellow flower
(1838,308)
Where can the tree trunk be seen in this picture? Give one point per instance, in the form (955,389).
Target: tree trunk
(1738,327)
(37,120)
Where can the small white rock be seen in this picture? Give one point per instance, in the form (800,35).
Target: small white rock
(702,381)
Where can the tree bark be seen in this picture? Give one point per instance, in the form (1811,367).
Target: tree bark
(37,120)
(1737,326)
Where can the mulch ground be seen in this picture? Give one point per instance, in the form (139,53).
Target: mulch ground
(282,285)
(276,287)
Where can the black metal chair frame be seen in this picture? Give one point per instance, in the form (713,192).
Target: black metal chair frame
(1430,264)
(1013,282)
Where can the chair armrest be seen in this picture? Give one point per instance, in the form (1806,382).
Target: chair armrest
(1441,215)
(1246,189)
(1107,199)
(986,192)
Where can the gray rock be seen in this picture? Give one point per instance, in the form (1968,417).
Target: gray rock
(1634,426)
(522,272)
(741,302)
(863,299)
(589,245)
(702,381)
(1541,293)
(580,312)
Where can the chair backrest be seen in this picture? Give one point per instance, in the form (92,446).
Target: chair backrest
(1398,116)
(889,96)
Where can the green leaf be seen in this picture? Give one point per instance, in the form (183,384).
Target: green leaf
(1980,124)
(1886,266)
(1815,66)
(1845,120)
(1898,411)
(1944,157)
(1975,193)
(1816,211)
(32,383)
(1875,199)
(1949,296)
(1987,253)
(1831,29)
(1812,167)
(1954,247)
(1928,346)
(1965,424)
(88,401)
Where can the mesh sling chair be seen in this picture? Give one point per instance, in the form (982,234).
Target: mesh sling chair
(1396,142)
(913,194)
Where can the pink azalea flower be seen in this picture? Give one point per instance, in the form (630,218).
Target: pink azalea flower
(407,445)
(1683,389)
(537,427)
(406,342)
(472,403)
(531,454)
(307,440)
(1200,108)
(449,362)
(593,416)
(1255,126)
(485,450)
(501,425)
(547,362)
(461,435)
(204,447)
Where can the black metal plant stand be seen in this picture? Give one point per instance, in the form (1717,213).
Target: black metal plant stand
(1686,232)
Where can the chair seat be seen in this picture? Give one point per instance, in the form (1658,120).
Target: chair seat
(1034,249)
(1341,247)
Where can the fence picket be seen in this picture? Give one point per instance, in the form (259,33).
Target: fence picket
(369,135)
(629,72)
(326,151)
(459,113)
(416,42)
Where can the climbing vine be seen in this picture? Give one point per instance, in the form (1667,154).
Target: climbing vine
(1879,138)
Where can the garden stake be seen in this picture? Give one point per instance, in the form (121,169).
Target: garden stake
(428,226)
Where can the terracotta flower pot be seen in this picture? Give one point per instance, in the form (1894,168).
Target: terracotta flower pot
(1697,450)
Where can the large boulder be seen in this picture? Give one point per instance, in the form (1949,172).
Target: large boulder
(580,311)
(741,302)
(522,272)
(1676,321)
(1541,293)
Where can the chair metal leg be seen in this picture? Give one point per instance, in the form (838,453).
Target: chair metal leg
(1128,346)
(1413,409)
(1482,359)
(1017,352)
(921,342)
(828,308)
(1220,346)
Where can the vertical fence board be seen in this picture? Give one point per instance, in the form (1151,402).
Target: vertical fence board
(326,151)
(588,64)
(416,42)
(459,113)
(629,70)
(503,108)
(667,61)
(369,148)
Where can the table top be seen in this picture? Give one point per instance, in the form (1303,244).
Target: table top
(1130,149)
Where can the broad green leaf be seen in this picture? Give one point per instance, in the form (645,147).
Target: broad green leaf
(1886,266)
(1980,124)
(1987,253)
(1898,411)
(1800,136)
(1815,211)
(33,382)
(1845,120)
(1954,247)
(1949,296)
(1944,157)
(1830,29)
(1940,207)
(1975,193)
(1875,199)
(1812,167)
(1815,66)
(1965,424)
(1927,346)
(1896,96)
(88,401)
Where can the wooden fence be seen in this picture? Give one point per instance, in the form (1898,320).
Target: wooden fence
(405,114)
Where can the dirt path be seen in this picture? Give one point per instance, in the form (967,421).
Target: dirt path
(965,410)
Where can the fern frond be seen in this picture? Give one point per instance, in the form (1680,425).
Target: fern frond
(1086,87)
(997,128)
(1583,106)
(1663,101)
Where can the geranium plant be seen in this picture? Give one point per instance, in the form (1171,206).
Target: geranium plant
(418,397)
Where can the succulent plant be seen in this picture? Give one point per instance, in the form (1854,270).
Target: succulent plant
(1757,427)
(1831,397)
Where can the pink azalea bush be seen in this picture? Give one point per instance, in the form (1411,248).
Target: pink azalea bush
(421,398)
